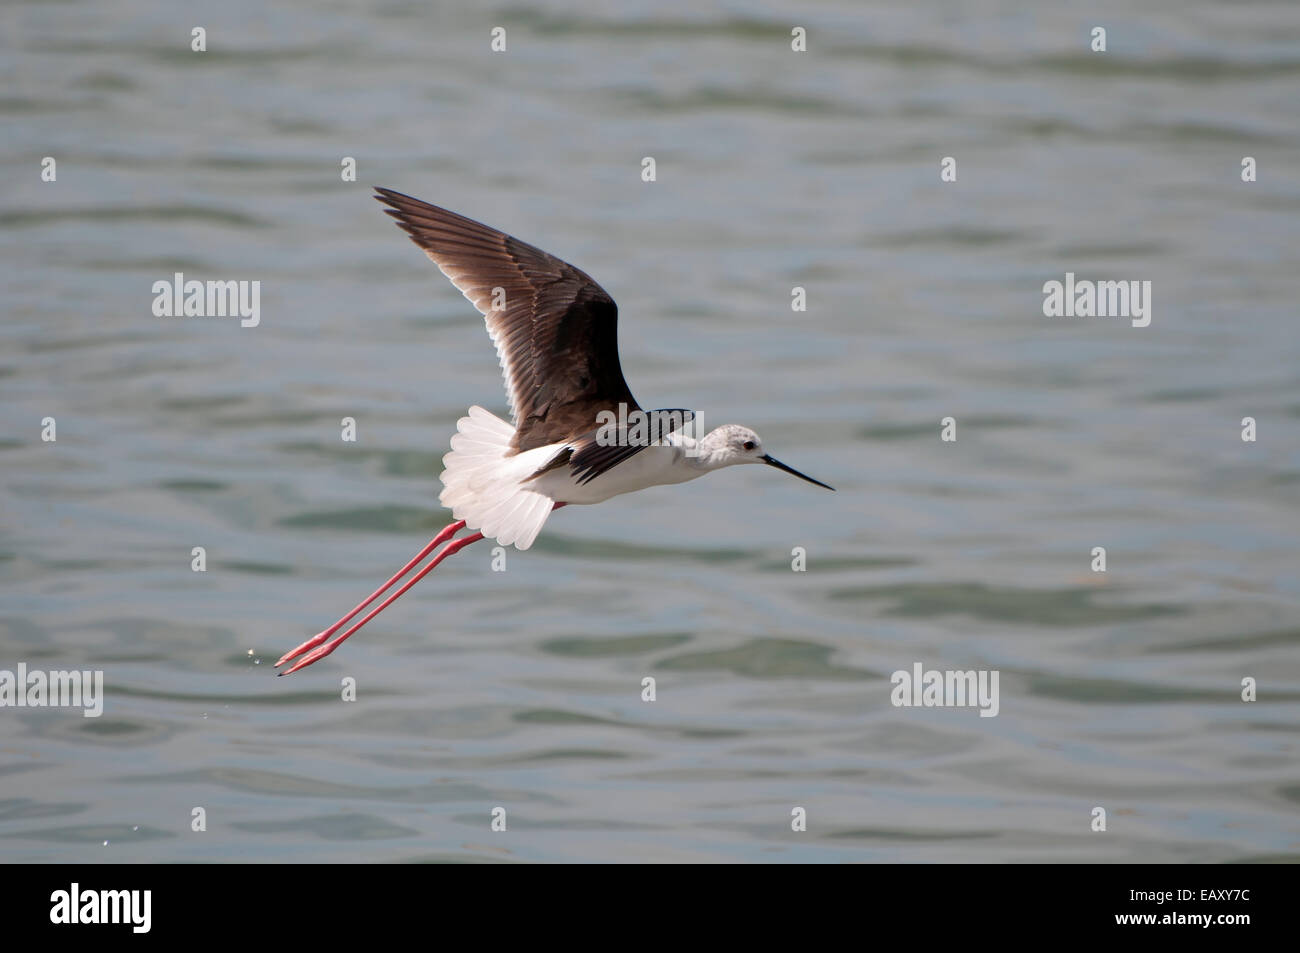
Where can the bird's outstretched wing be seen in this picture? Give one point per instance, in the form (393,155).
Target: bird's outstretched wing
(555,330)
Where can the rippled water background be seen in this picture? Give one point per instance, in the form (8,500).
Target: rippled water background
(521,689)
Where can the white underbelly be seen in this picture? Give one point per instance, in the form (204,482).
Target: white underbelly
(652,466)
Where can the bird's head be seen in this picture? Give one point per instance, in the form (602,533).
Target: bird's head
(732,444)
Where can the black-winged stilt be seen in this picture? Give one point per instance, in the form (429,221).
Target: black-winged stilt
(578,434)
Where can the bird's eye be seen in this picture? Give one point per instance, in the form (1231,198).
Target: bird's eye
(748,445)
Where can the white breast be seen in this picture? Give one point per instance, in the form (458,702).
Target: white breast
(653,466)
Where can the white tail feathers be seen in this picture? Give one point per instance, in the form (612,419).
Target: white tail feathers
(482,484)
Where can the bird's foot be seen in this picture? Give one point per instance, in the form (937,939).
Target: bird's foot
(315,655)
(311,643)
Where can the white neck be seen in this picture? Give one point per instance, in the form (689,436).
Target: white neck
(696,454)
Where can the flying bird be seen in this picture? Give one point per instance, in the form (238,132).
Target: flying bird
(577,436)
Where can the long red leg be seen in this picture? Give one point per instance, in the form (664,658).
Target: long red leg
(449,531)
(455,546)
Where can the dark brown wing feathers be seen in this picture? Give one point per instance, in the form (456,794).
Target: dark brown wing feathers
(556,331)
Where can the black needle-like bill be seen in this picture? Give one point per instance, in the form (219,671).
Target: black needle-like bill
(773,462)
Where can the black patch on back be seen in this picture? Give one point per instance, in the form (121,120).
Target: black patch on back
(589,458)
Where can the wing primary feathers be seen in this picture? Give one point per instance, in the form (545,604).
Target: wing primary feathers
(554,328)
